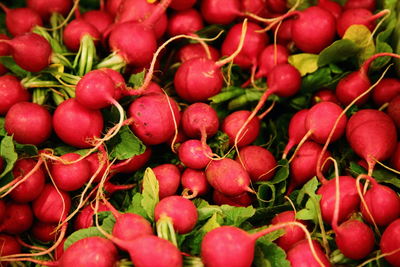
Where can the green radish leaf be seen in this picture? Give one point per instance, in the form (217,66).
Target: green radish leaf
(125,145)
(26,149)
(236,215)
(136,206)
(310,212)
(314,81)
(136,80)
(3,131)
(10,64)
(268,254)
(150,193)
(226,94)
(283,173)
(309,188)
(338,51)
(7,152)
(266,194)
(362,37)
(305,63)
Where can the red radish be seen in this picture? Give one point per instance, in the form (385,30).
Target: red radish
(334,7)
(76,124)
(18,218)
(395,159)
(44,232)
(284,35)
(349,200)
(132,164)
(354,239)
(21,20)
(101,20)
(228,177)
(46,8)
(232,124)
(367,4)
(90,251)
(313,29)
(301,255)
(258,162)
(169,178)
(194,183)
(293,234)
(182,4)
(200,120)
(5,50)
(51,206)
(155,118)
(321,119)
(357,16)
(193,154)
(153,88)
(372,135)
(129,226)
(2,210)
(69,176)
(187,21)
(254,43)
(393,110)
(304,163)
(9,245)
(220,11)
(11,92)
(95,160)
(271,56)
(390,242)
(190,51)
(85,216)
(29,123)
(276,6)
(182,212)
(59,251)
(30,51)
(380,202)
(257,7)
(29,189)
(324,95)
(242,200)
(296,130)
(112,6)
(74,32)
(386,90)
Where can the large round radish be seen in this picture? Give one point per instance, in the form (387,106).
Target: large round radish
(300,255)
(21,20)
(129,226)
(390,241)
(200,120)
(194,183)
(293,234)
(153,121)
(101,20)
(74,32)
(190,51)
(185,22)
(169,178)
(182,212)
(76,124)
(18,218)
(193,154)
(356,16)
(351,86)
(220,11)
(29,123)
(11,92)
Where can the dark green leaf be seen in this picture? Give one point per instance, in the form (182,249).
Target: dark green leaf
(125,145)
(266,194)
(26,149)
(338,51)
(316,80)
(150,192)
(236,215)
(283,172)
(7,152)
(268,254)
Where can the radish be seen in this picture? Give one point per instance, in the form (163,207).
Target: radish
(228,177)
(101,20)
(254,43)
(372,135)
(284,35)
(257,7)
(180,210)
(30,188)
(169,178)
(76,124)
(193,154)
(132,164)
(21,20)
(393,110)
(129,226)
(90,251)
(258,162)
(74,32)
(271,56)
(334,7)
(9,245)
(242,200)
(44,232)
(11,92)
(190,51)
(69,176)
(232,246)
(187,21)
(301,255)
(46,8)
(296,130)
(52,205)
(367,4)
(194,183)
(30,51)
(232,124)
(276,6)
(112,6)
(5,50)
(85,216)
(182,4)
(390,242)
(29,123)
(18,218)
(220,11)
(95,160)
(324,95)
(2,210)
(386,90)
(293,234)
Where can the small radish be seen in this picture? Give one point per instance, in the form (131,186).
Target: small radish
(190,51)
(85,216)
(228,177)
(242,200)
(220,11)
(386,90)
(169,178)
(9,245)
(95,160)
(232,124)
(5,50)
(284,35)
(132,164)
(296,130)
(76,124)
(367,4)
(324,95)
(271,56)
(258,162)
(44,232)
(200,120)
(257,7)
(69,176)
(187,21)
(390,242)
(300,255)
(21,20)
(46,8)
(18,218)
(29,123)
(32,187)
(180,210)
(194,155)
(90,251)
(292,234)
(393,110)
(52,205)
(112,6)
(334,7)
(155,118)
(11,92)
(74,32)
(277,6)
(129,226)
(101,20)
(194,183)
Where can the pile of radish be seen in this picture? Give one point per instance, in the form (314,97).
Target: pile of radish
(199,133)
